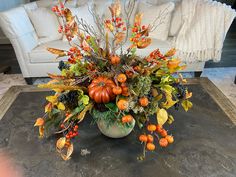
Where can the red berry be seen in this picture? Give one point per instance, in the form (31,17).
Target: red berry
(67,136)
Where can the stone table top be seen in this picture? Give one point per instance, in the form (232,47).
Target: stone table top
(205,141)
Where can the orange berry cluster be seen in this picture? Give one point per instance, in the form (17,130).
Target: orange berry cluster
(148,139)
(137,33)
(60,11)
(116,22)
(156,54)
(74,54)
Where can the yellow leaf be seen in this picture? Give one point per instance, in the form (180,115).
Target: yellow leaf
(170,53)
(83,113)
(167,89)
(61,106)
(52,99)
(61,143)
(143,44)
(138,19)
(39,122)
(41,131)
(187,105)
(70,150)
(48,108)
(169,102)
(60,53)
(162,116)
(68,15)
(188,95)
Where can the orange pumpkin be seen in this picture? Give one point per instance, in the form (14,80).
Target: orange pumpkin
(121,78)
(115,60)
(117,90)
(100,90)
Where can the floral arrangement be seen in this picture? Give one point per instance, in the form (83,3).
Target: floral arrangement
(118,87)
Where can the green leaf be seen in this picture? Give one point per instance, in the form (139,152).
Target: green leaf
(162,116)
(93,44)
(187,105)
(167,88)
(112,107)
(85,99)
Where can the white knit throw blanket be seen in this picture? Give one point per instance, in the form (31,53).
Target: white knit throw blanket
(205,24)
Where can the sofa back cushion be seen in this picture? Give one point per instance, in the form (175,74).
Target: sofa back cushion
(50,3)
(158,17)
(45,23)
(176,20)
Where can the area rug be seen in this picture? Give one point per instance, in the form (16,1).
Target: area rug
(223,78)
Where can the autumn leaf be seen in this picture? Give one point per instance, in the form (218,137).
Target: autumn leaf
(138,19)
(169,101)
(188,95)
(83,113)
(74,29)
(170,53)
(68,15)
(115,9)
(162,116)
(60,53)
(48,108)
(119,37)
(39,122)
(173,63)
(70,150)
(61,106)
(85,46)
(143,44)
(187,105)
(52,99)
(85,99)
(167,89)
(41,131)
(61,143)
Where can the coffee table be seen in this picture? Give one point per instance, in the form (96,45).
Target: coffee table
(205,140)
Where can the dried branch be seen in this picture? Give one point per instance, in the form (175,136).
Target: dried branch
(160,19)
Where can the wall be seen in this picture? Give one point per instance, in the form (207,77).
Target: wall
(5,5)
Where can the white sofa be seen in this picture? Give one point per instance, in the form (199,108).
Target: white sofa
(35,60)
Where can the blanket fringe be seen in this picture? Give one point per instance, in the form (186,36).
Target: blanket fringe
(199,56)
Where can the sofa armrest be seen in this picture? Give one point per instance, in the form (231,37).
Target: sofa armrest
(15,23)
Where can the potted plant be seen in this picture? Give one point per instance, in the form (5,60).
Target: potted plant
(119,89)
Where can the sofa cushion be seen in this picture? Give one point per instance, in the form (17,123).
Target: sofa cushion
(158,2)
(41,55)
(159,17)
(45,23)
(50,3)
(176,20)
